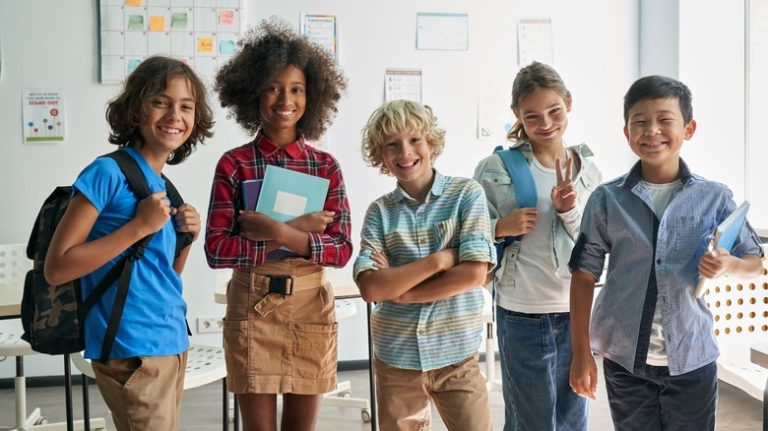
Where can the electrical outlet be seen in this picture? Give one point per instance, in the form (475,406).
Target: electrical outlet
(209,324)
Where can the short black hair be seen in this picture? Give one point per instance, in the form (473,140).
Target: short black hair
(127,112)
(659,87)
(265,51)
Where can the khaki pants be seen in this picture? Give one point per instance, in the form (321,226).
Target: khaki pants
(458,391)
(144,393)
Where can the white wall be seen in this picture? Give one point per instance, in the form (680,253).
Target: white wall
(53,43)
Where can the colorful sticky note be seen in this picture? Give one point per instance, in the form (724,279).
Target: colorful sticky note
(136,23)
(157,23)
(226,17)
(205,45)
(227,47)
(179,20)
(133,64)
(133,2)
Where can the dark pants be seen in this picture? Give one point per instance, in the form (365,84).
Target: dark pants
(659,401)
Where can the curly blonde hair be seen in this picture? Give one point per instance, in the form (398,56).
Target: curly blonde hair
(396,117)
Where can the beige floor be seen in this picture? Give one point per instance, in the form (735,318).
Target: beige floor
(202,408)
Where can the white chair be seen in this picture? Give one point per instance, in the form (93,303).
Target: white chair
(341,396)
(489,318)
(14,265)
(740,310)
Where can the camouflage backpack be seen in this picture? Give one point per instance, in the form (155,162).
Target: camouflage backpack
(53,316)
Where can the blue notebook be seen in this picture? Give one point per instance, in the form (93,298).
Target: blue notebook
(287,194)
(726,234)
(728,231)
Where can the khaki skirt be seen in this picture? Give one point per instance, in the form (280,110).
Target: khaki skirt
(278,343)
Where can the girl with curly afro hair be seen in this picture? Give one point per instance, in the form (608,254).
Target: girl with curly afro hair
(280,331)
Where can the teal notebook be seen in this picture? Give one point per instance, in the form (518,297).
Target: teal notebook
(287,194)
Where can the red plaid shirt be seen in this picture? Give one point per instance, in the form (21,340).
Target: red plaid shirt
(225,248)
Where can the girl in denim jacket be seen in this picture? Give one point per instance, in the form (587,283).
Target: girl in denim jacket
(532,283)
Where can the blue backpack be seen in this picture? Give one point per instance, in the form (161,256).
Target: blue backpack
(525,190)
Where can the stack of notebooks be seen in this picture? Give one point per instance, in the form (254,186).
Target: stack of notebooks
(284,194)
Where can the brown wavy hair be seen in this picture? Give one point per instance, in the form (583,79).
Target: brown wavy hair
(263,53)
(128,111)
(529,79)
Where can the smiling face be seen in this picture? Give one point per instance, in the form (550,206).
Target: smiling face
(170,119)
(282,105)
(544,114)
(655,131)
(408,156)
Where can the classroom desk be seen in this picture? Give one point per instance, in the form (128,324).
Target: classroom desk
(758,354)
(339,292)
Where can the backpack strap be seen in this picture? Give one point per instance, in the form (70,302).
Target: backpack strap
(183,239)
(520,172)
(525,187)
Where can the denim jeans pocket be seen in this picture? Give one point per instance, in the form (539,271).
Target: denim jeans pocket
(524,332)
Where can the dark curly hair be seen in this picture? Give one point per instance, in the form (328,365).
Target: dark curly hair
(128,111)
(263,53)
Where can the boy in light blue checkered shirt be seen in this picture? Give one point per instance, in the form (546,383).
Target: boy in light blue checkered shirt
(425,250)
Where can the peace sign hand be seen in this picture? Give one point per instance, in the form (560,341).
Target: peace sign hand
(564,193)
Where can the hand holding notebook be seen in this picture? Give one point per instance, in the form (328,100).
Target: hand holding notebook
(725,235)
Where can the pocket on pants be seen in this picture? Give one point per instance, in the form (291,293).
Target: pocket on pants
(236,346)
(525,332)
(315,350)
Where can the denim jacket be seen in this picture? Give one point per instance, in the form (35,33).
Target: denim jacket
(500,191)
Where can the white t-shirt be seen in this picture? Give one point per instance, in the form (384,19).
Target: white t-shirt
(661,194)
(537,289)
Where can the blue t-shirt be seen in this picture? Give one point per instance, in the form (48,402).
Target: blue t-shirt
(153,321)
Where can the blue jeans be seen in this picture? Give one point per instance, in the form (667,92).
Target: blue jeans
(535,363)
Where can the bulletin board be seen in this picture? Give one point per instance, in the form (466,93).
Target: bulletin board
(202,33)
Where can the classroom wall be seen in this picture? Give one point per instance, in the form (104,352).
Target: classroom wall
(53,43)
(702,44)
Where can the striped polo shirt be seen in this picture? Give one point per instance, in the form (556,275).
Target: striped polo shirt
(454,214)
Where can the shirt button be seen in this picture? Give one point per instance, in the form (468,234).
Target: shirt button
(658,261)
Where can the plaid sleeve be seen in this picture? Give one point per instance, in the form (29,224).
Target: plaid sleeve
(334,246)
(224,247)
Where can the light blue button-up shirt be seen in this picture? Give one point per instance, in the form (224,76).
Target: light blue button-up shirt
(619,221)
(435,334)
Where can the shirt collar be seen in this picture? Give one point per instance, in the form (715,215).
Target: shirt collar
(438,186)
(634,176)
(267,148)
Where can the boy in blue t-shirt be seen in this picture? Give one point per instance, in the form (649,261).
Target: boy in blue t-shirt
(158,119)
(656,337)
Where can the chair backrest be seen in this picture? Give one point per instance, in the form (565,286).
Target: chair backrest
(14,264)
(740,311)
